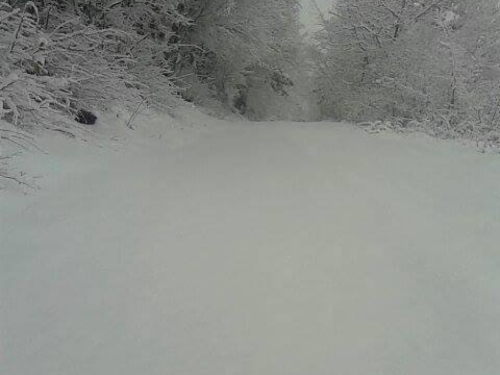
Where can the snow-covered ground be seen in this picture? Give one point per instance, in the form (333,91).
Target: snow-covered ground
(253,249)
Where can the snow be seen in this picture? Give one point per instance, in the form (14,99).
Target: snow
(238,248)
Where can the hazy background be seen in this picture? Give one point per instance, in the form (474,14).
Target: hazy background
(309,12)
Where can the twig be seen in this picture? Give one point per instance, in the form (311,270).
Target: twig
(138,42)
(18,31)
(15,179)
(9,80)
(134,115)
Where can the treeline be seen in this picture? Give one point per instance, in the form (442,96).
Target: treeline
(432,64)
(60,57)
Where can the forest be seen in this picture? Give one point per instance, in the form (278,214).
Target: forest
(427,65)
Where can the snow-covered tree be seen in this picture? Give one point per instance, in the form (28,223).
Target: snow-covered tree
(89,52)
(432,61)
(236,46)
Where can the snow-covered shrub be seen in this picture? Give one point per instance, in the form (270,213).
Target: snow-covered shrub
(20,55)
(46,73)
(53,63)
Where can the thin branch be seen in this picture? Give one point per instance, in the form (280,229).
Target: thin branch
(15,179)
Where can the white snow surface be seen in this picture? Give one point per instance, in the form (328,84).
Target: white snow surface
(252,248)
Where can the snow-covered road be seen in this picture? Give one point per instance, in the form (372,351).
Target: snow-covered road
(257,249)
